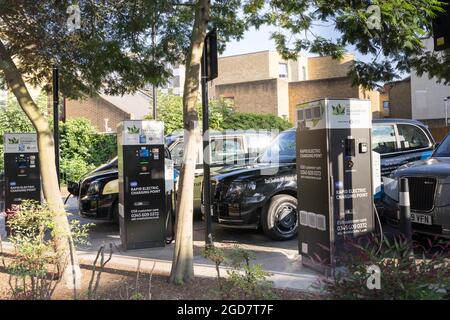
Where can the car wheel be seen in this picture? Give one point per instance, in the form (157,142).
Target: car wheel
(279,219)
(115,212)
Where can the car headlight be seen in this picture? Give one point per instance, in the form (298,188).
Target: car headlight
(94,188)
(236,189)
(111,187)
(443,195)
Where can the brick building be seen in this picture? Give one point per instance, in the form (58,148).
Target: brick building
(399,98)
(259,82)
(106,112)
(263,82)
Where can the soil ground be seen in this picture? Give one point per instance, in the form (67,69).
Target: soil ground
(122,285)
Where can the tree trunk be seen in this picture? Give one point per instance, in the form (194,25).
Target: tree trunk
(183,257)
(69,264)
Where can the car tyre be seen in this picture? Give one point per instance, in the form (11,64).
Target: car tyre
(279,218)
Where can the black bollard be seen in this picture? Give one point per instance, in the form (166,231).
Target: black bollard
(405,212)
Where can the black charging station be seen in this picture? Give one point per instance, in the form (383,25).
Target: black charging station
(22,173)
(142,184)
(334,176)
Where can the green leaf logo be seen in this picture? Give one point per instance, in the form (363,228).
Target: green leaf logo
(13,140)
(338,110)
(133,130)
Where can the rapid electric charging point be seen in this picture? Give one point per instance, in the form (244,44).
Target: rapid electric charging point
(334,176)
(22,173)
(142,184)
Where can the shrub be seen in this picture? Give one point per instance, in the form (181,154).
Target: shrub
(222,116)
(245,121)
(402,277)
(102,149)
(170,110)
(83,148)
(33,270)
(76,137)
(72,169)
(245,280)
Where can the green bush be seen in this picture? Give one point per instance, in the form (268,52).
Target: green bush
(72,169)
(82,148)
(103,148)
(222,116)
(34,268)
(170,110)
(245,279)
(245,121)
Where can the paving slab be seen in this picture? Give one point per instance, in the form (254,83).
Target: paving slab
(279,258)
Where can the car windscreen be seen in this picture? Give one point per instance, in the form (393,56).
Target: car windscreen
(281,150)
(444,148)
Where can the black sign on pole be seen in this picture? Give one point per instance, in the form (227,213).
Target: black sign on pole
(210,56)
(56,117)
(209,72)
(441,29)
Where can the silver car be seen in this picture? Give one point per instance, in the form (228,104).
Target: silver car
(429,190)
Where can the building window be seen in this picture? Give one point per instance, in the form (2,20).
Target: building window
(283,70)
(303,73)
(386,105)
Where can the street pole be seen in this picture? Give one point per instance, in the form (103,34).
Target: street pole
(405,214)
(153,86)
(206,153)
(446,111)
(55,76)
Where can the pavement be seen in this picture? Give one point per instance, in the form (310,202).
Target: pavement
(280,259)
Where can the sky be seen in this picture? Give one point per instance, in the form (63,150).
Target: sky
(253,41)
(259,40)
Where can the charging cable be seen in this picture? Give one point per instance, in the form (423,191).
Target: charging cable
(381,228)
(170,232)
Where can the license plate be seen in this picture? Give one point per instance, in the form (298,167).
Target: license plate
(421,218)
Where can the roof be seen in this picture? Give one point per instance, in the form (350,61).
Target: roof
(137,105)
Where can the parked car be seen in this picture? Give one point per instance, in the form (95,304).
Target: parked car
(429,191)
(227,149)
(264,194)
(97,191)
